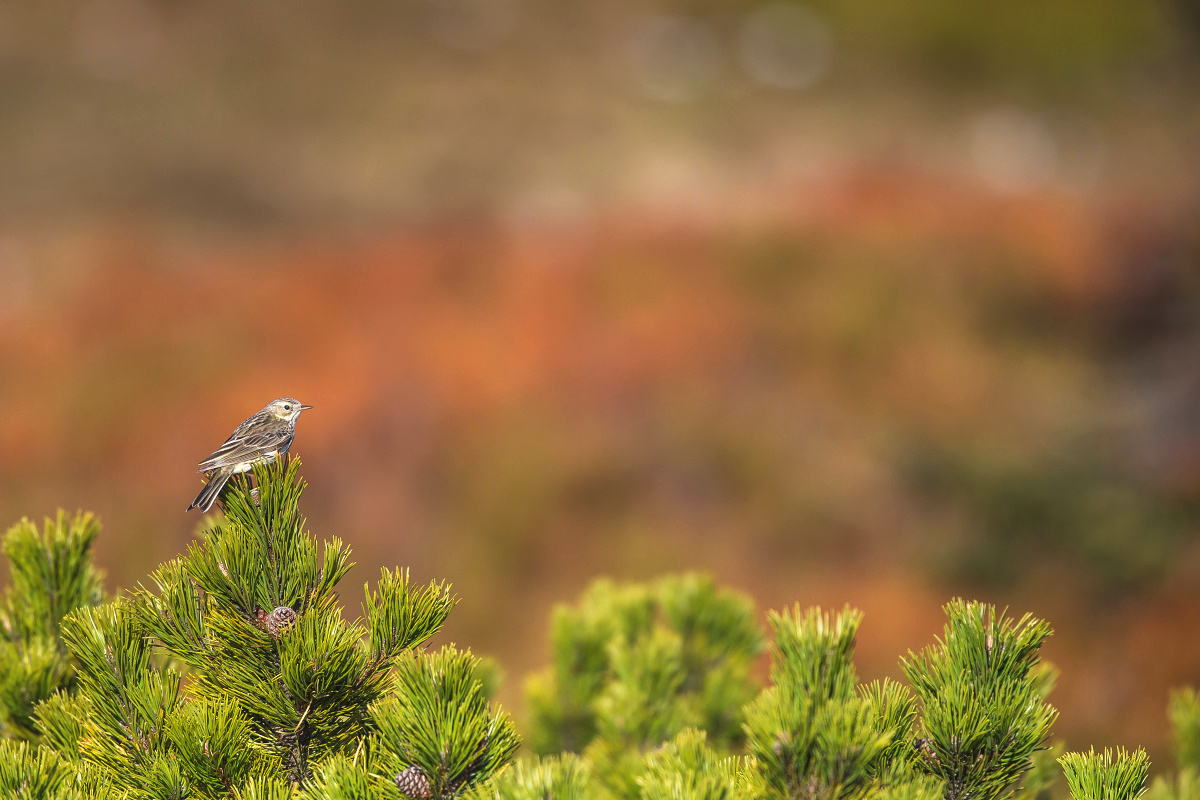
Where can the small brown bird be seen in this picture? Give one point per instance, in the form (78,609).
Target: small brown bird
(261,438)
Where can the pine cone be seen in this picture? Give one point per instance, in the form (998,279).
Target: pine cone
(280,620)
(414,783)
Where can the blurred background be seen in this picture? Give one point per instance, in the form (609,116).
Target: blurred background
(839,300)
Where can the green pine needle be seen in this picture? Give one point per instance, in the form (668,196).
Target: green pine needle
(51,575)
(810,735)
(561,777)
(400,616)
(439,720)
(61,720)
(27,770)
(813,650)
(686,767)
(1107,775)
(705,680)
(982,701)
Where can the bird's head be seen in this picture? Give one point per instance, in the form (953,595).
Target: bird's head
(286,408)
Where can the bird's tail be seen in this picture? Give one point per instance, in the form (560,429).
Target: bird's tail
(208,495)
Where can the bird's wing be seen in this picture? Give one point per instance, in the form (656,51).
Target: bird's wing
(246,446)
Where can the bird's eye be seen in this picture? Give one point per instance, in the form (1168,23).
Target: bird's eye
(287,406)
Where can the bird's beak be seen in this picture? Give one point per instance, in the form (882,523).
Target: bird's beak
(302,407)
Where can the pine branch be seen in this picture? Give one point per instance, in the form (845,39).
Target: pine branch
(264,788)
(813,651)
(717,641)
(561,699)
(810,735)
(714,625)
(51,575)
(29,673)
(895,711)
(128,703)
(61,719)
(910,787)
(341,778)
(563,777)
(27,770)
(178,615)
(983,710)
(640,708)
(687,767)
(1106,776)
(260,556)
(439,721)
(215,745)
(401,617)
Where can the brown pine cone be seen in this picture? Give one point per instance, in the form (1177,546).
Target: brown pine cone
(414,783)
(280,620)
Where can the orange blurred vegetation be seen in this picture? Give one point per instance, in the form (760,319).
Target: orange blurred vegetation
(520,409)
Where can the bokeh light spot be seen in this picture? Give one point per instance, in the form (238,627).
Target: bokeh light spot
(786,45)
(1012,150)
(674,59)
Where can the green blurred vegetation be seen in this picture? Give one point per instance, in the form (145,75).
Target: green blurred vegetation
(1054,47)
(1076,505)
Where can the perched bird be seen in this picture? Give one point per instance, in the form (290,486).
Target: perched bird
(261,438)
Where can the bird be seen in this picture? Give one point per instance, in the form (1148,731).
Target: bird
(262,438)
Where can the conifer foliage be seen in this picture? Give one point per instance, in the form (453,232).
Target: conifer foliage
(971,727)
(634,665)
(51,575)
(983,715)
(815,734)
(235,675)
(1184,713)
(1106,776)
(562,777)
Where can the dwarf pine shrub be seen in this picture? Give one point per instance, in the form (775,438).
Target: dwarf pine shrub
(232,673)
